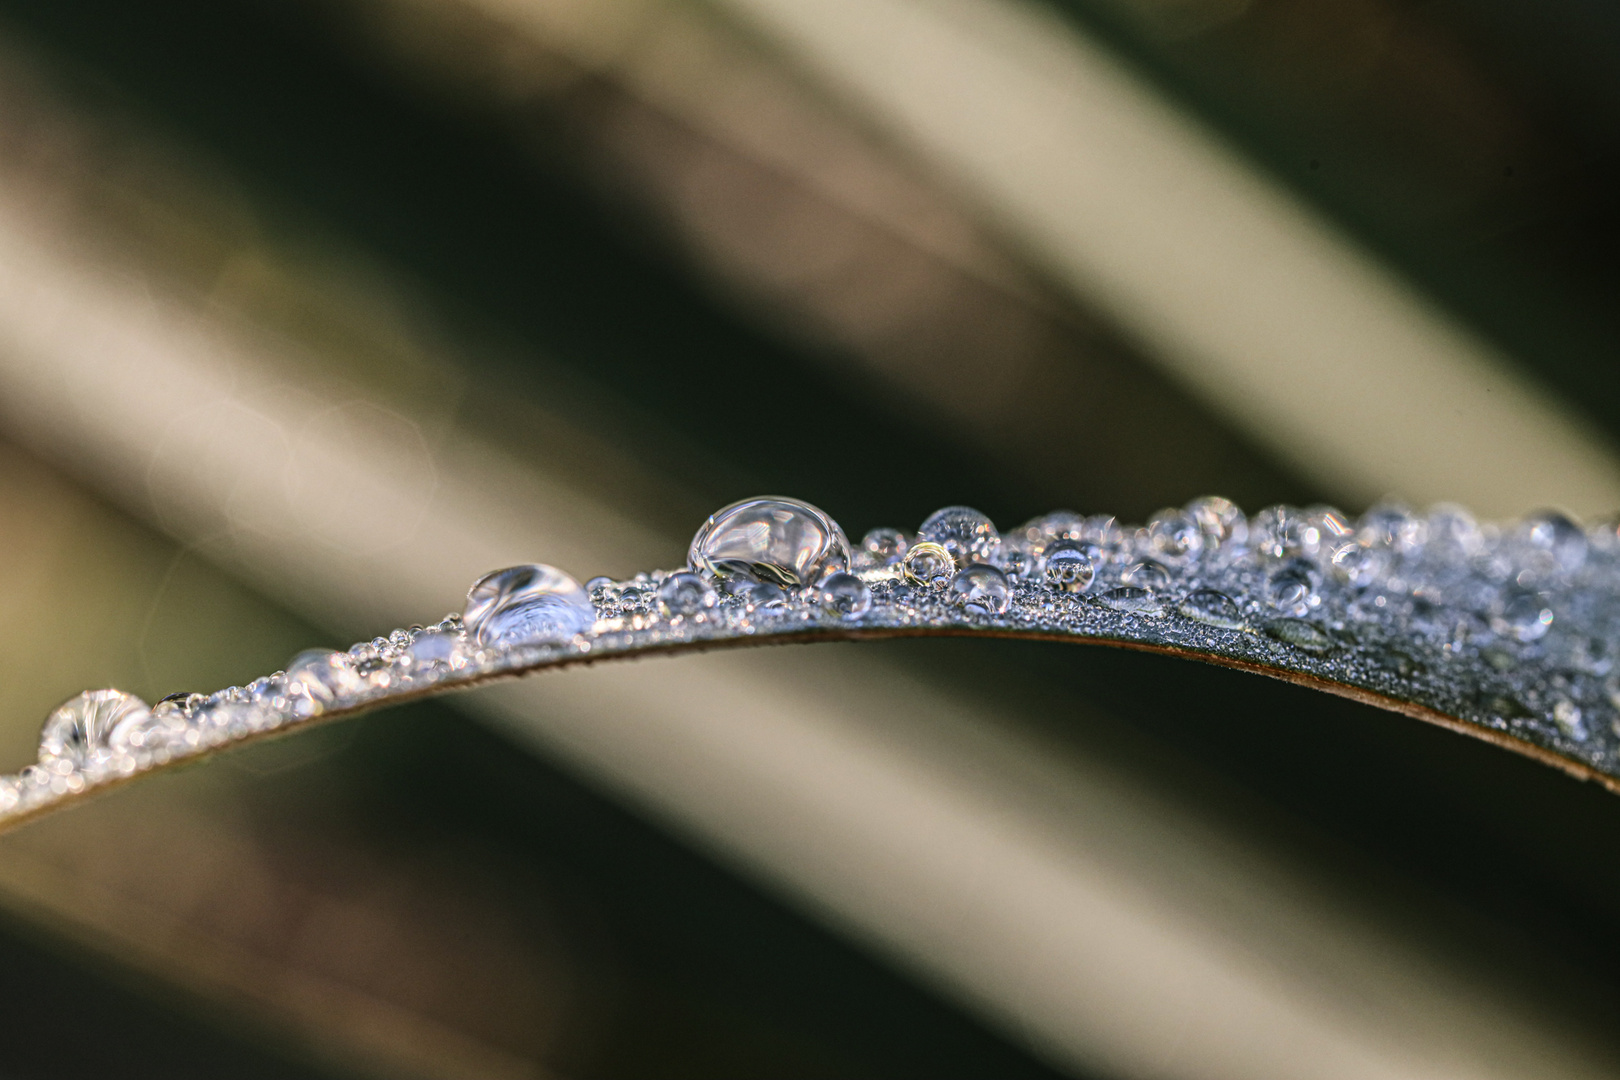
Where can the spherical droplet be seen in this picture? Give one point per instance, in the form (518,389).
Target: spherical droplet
(983,589)
(1174,537)
(684,594)
(1393,527)
(1018,562)
(968,535)
(1524,617)
(1219,520)
(1213,608)
(763,598)
(783,541)
(1283,532)
(1290,590)
(1558,539)
(1454,530)
(1131,598)
(884,546)
(1358,566)
(846,594)
(1069,567)
(928,563)
(84,729)
(526,605)
(1149,574)
(1302,635)
(1038,532)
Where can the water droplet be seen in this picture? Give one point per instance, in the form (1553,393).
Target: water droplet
(1069,568)
(763,598)
(527,605)
(83,730)
(1148,574)
(1038,532)
(1557,539)
(1291,590)
(982,588)
(433,650)
(1283,532)
(1302,635)
(1567,715)
(884,547)
(1454,530)
(1018,562)
(1504,706)
(846,594)
(928,563)
(683,594)
(1213,608)
(1358,566)
(1174,537)
(1131,598)
(1393,527)
(1524,617)
(783,541)
(1219,520)
(322,679)
(968,535)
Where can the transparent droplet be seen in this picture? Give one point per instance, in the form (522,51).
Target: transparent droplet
(1567,715)
(1555,537)
(982,588)
(1174,537)
(527,605)
(1292,589)
(81,731)
(1148,574)
(764,598)
(684,594)
(1040,531)
(845,594)
(1393,527)
(783,541)
(968,535)
(1131,598)
(1454,531)
(1284,532)
(1018,562)
(1069,568)
(1219,520)
(1213,608)
(432,651)
(929,564)
(1524,617)
(1358,566)
(1302,635)
(325,679)
(884,547)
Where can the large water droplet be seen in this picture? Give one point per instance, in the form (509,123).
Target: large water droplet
(1219,520)
(1018,562)
(1213,608)
(84,730)
(928,563)
(1174,537)
(968,535)
(432,651)
(1069,568)
(783,541)
(1302,635)
(1131,598)
(845,594)
(683,595)
(1524,617)
(983,589)
(323,678)
(764,599)
(527,605)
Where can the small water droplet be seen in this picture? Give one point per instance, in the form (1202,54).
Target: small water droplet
(1038,532)
(1219,520)
(1213,608)
(1290,592)
(846,594)
(1524,617)
(1131,598)
(527,605)
(1567,715)
(1558,540)
(1174,537)
(1358,566)
(982,588)
(786,542)
(929,564)
(83,730)
(1018,562)
(684,595)
(1284,532)
(1302,635)
(1069,568)
(884,547)
(1148,574)
(968,535)
(1393,527)
(1454,531)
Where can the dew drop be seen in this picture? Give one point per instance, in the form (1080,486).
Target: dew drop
(1213,608)
(928,563)
(1454,530)
(1018,562)
(1069,567)
(1358,566)
(1041,531)
(1148,574)
(1525,617)
(1567,715)
(968,535)
(1174,537)
(884,547)
(783,541)
(1284,532)
(1219,520)
(983,589)
(323,679)
(1392,527)
(1556,538)
(763,598)
(529,604)
(1302,635)
(432,650)
(845,594)
(1131,598)
(1290,592)
(83,730)
(684,594)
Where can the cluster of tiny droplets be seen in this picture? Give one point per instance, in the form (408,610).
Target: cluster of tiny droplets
(1510,628)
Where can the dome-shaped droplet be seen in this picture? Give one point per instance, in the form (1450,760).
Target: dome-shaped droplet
(1558,539)
(1149,574)
(1038,532)
(1284,532)
(1291,589)
(1393,527)
(1018,562)
(929,564)
(884,547)
(1302,635)
(431,651)
(1131,598)
(1213,608)
(1454,530)
(1525,616)
(684,594)
(1069,567)
(845,594)
(764,599)
(1358,566)
(324,677)
(968,535)
(783,541)
(1174,537)
(982,588)
(527,605)
(85,729)
(1219,520)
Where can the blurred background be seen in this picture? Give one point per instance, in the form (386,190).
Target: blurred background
(312,311)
